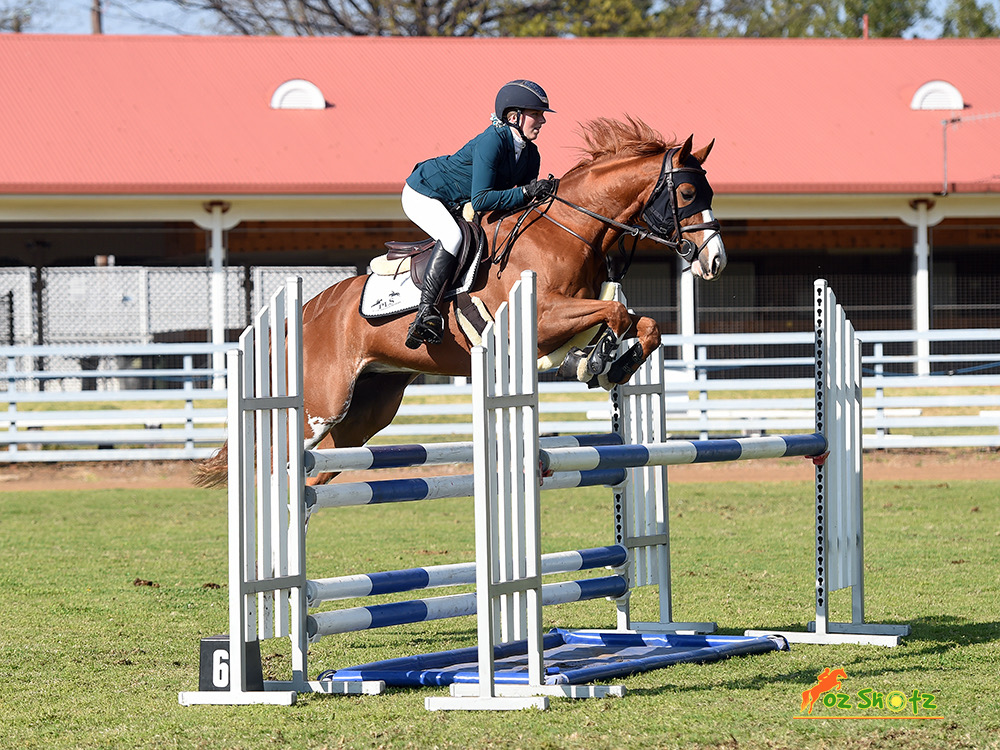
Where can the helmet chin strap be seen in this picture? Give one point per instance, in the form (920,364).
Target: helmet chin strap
(518,124)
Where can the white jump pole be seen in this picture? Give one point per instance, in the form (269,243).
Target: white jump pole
(507,510)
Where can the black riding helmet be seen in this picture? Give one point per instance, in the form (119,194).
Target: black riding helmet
(520,95)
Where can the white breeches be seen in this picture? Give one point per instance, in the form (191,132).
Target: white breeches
(433,217)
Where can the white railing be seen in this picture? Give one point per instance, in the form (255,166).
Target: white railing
(92,402)
(51,416)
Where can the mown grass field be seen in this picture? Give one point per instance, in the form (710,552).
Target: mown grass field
(106,593)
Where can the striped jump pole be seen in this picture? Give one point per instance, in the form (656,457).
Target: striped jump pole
(456,605)
(680,452)
(399,456)
(434,488)
(456,574)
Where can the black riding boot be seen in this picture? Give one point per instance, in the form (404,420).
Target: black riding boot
(428,326)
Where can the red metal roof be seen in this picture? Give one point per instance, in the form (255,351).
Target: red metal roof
(191,115)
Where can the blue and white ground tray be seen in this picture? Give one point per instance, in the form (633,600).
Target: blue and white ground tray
(571,658)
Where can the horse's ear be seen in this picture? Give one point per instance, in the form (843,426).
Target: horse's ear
(682,155)
(702,153)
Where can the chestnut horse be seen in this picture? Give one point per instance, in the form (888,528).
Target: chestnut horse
(356,369)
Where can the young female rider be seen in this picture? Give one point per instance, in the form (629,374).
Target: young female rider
(497,170)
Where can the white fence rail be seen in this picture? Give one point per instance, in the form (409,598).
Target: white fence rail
(128,402)
(143,402)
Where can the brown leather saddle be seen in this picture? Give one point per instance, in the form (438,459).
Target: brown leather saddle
(473,249)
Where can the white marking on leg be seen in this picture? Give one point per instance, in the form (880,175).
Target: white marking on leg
(317,428)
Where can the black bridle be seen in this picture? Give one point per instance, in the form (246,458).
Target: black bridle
(661,214)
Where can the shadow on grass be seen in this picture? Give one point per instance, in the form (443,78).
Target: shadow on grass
(929,636)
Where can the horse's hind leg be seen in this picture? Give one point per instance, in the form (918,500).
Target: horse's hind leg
(375,401)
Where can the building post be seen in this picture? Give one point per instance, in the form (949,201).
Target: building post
(217,263)
(921,220)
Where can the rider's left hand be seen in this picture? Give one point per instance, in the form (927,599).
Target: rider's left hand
(540,189)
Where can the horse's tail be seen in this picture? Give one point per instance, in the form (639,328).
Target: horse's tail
(213,471)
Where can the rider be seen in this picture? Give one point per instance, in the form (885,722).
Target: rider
(497,170)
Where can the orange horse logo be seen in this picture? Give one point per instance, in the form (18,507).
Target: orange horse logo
(827,680)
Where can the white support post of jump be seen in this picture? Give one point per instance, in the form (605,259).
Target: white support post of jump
(267,579)
(266,575)
(641,503)
(839,531)
(508,527)
(508,524)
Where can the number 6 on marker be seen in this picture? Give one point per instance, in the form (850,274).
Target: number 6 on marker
(220,668)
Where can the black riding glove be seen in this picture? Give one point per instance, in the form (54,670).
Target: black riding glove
(540,189)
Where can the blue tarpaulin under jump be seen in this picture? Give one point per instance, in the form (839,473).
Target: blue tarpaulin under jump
(572,657)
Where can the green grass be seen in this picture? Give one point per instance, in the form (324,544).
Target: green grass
(93,654)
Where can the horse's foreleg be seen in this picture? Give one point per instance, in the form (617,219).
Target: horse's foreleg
(625,366)
(648,333)
(560,318)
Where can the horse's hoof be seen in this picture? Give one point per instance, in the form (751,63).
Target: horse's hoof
(604,349)
(625,366)
(574,365)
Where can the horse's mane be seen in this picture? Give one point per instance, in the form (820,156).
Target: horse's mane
(605,137)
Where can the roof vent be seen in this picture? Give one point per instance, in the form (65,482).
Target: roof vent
(298,94)
(937,95)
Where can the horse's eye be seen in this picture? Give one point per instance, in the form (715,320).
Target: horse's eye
(688,194)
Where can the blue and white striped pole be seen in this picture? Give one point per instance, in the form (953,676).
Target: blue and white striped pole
(443,607)
(431,454)
(675,452)
(457,574)
(432,488)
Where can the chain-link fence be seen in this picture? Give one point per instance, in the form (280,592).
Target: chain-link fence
(18,314)
(7,319)
(132,305)
(151,305)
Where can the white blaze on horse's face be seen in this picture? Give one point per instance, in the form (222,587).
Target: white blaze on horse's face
(712,257)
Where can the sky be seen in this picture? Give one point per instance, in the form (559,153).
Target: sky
(161,17)
(119,17)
